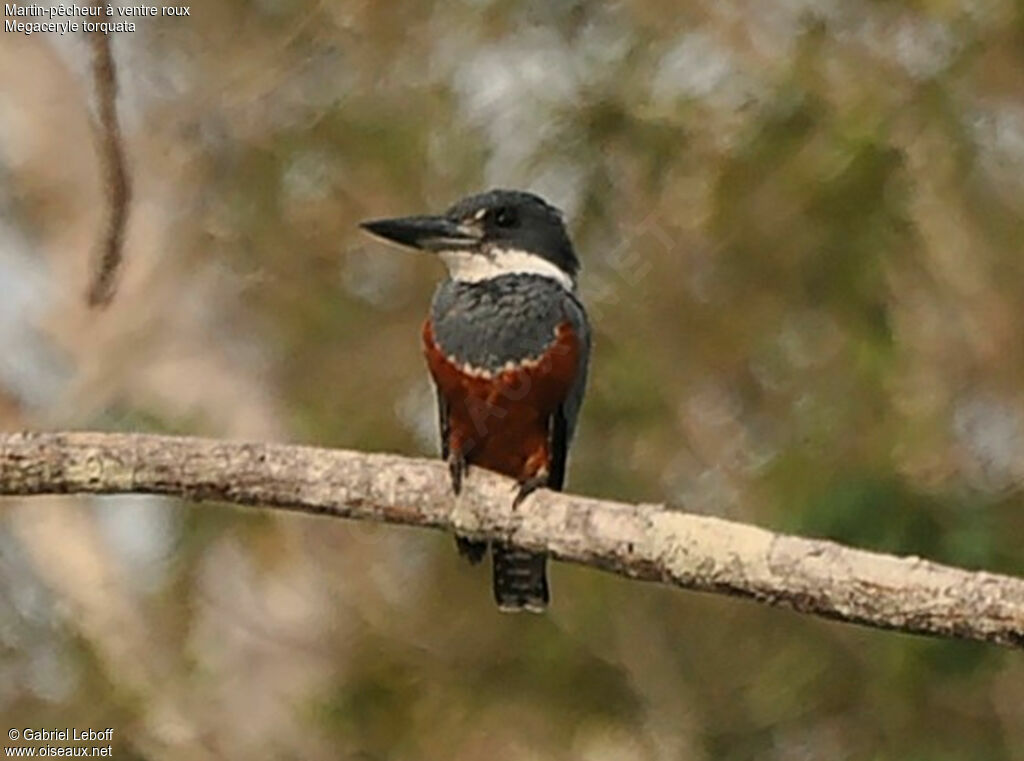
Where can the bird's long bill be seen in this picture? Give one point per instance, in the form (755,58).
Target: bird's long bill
(430,233)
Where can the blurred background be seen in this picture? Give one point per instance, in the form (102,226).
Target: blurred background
(801,228)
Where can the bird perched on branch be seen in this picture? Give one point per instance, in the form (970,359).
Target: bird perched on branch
(507,343)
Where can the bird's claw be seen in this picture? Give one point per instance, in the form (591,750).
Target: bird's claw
(528,487)
(457,468)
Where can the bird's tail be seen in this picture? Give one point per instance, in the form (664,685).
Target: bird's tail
(520,579)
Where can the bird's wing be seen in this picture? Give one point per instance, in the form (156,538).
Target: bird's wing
(563,425)
(443,424)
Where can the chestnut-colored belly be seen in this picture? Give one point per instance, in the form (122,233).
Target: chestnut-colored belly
(501,421)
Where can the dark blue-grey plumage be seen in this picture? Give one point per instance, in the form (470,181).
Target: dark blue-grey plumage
(507,318)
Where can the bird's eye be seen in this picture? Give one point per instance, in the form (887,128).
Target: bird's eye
(505,217)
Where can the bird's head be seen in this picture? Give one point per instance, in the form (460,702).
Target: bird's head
(497,233)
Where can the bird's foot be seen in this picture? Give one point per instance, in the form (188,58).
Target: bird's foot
(529,486)
(471,550)
(457,467)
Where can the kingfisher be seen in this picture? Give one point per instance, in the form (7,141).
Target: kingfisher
(507,344)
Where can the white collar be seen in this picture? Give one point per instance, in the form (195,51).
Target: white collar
(473,267)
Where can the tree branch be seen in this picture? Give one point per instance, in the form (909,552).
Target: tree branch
(646,542)
(116,184)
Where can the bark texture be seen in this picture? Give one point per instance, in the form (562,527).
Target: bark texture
(642,541)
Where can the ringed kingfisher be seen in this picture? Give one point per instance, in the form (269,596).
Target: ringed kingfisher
(507,344)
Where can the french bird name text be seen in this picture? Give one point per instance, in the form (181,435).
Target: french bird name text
(33,10)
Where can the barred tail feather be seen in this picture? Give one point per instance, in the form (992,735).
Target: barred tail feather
(520,579)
